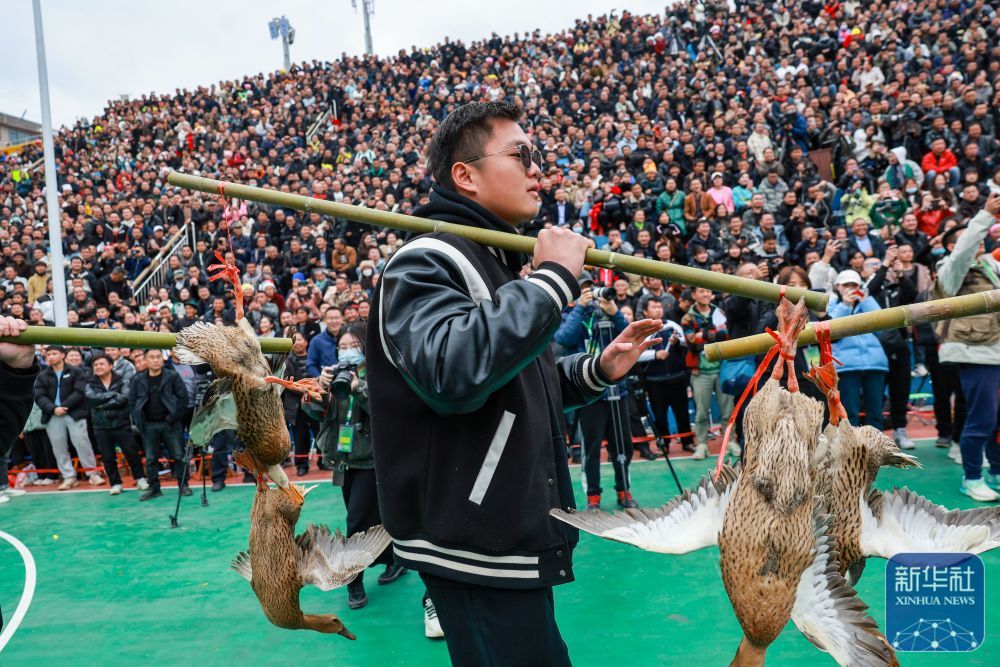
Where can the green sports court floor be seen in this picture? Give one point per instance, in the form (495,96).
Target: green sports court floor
(118,586)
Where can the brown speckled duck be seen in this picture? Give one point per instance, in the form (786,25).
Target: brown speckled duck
(278,564)
(778,560)
(867,522)
(234,354)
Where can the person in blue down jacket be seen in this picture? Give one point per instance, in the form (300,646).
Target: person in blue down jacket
(862,377)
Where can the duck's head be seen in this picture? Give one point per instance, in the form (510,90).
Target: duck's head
(883,451)
(327,624)
(287,503)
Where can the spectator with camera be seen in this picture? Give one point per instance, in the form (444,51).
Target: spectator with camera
(592,323)
(344,438)
(664,376)
(864,363)
(59,392)
(109,416)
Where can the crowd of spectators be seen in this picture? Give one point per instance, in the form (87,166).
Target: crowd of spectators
(795,139)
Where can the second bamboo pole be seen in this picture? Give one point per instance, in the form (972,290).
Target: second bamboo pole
(862,323)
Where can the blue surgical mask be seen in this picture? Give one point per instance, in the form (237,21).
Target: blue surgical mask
(578,229)
(352,356)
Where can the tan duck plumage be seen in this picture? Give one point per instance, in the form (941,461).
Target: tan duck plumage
(277,564)
(234,354)
(778,560)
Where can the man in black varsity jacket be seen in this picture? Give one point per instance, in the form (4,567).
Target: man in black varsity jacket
(466,398)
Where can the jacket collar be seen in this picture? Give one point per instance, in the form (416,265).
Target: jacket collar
(449,206)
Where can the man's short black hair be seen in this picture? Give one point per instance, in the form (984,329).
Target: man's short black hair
(103,356)
(462,135)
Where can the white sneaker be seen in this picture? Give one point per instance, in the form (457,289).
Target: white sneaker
(142,484)
(903,440)
(432,626)
(734,449)
(4,499)
(992,481)
(954,453)
(44,481)
(11,492)
(977,490)
(67,484)
(95,479)
(700,452)
(115,490)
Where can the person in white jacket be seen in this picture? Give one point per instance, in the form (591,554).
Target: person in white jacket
(973,344)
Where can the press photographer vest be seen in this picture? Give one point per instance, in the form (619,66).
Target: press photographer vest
(976,329)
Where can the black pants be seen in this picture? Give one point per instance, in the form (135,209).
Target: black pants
(496,626)
(670,394)
(222,443)
(597,424)
(361,500)
(944,378)
(41,453)
(171,435)
(303,432)
(899,387)
(105,439)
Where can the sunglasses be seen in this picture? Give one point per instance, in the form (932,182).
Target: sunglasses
(527,156)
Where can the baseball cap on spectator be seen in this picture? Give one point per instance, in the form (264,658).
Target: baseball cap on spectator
(849,276)
(298,276)
(158,228)
(265,284)
(586,278)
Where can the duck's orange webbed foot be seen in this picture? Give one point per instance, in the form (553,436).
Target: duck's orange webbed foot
(792,320)
(306,386)
(226,271)
(246,460)
(825,378)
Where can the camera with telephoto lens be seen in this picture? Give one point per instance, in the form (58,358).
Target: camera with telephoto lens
(340,385)
(606,293)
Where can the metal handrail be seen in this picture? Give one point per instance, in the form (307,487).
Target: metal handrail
(153,275)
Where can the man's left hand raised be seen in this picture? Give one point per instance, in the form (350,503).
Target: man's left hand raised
(619,357)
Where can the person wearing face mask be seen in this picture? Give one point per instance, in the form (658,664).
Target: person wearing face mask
(345,440)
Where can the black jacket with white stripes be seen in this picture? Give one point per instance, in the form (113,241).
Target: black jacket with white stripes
(466,401)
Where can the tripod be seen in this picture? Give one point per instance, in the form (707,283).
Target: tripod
(643,400)
(185,472)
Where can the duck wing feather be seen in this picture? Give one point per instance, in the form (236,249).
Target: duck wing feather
(903,521)
(828,611)
(689,522)
(330,560)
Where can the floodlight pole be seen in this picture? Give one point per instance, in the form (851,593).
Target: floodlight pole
(51,186)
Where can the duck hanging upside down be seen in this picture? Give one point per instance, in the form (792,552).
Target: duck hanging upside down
(278,564)
(235,356)
(777,556)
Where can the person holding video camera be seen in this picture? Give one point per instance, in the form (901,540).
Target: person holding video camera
(862,375)
(346,442)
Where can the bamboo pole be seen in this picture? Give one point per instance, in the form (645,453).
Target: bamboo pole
(148,340)
(686,275)
(879,320)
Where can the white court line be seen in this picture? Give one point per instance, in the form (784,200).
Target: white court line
(29,589)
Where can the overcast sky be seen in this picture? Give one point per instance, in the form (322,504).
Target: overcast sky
(101,49)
